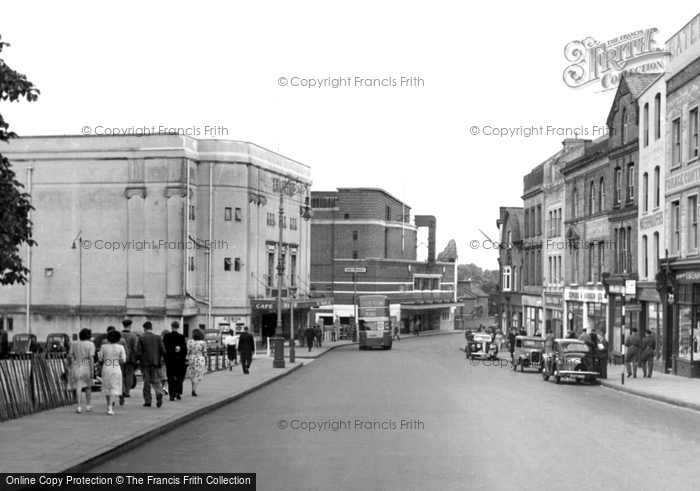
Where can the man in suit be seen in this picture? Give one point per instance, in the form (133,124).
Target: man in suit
(603,347)
(633,344)
(149,351)
(175,356)
(246,349)
(309,335)
(648,347)
(128,377)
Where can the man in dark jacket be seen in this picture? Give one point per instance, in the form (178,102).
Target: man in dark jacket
(309,334)
(511,343)
(128,377)
(246,349)
(319,335)
(648,347)
(150,349)
(175,356)
(633,344)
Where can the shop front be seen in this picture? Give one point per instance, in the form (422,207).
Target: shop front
(686,329)
(651,317)
(554,314)
(264,315)
(586,309)
(532,310)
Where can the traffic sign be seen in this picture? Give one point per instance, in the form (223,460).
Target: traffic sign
(630,287)
(355,270)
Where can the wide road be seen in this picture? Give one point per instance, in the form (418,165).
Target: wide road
(464,427)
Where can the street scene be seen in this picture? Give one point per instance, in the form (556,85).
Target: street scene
(313,246)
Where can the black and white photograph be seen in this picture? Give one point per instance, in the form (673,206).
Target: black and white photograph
(349,245)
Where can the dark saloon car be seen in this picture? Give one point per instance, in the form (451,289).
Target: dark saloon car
(528,352)
(57,343)
(481,346)
(571,358)
(23,344)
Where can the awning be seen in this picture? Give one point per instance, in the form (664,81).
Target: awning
(270,304)
(430,305)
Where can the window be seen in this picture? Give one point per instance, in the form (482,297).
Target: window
(238,215)
(270,269)
(576,265)
(271,222)
(601,197)
(526,274)
(656,251)
(191,212)
(510,240)
(616,250)
(354,254)
(550,226)
(591,260)
(191,263)
(227,264)
(532,221)
(538,267)
(618,185)
(515,279)
(646,124)
(693,134)
(645,257)
(575,202)
(624,125)
(346,216)
(622,261)
(628,259)
(692,212)
(645,190)
(354,235)
(506,278)
(630,182)
(591,199)
(550,273)
(601,260)
(292,223)
(676,224)
(657,116)
(657,186)
(676,143)
(388,213)
(539,219)
(237,264)
(227,214)
(527,223)
(292,270)
(561,277)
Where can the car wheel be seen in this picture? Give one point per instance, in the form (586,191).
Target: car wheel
(579,380)
(545,374)
(522,367)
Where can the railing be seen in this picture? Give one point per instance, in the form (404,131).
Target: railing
(32,383)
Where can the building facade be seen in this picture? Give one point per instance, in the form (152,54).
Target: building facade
(682,182)
(157,228)
(510,261)
(533,251)
(364,244)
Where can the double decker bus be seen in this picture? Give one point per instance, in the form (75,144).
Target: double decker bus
(374,321)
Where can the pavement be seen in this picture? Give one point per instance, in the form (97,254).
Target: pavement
(60,440)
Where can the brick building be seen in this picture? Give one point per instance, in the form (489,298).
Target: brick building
(369,229)
(510,262)
(533,250)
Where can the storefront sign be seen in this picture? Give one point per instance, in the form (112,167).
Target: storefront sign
(532,301)
(688,276)
(630,287)
(553,300)
(585,295)
(617,289)
(649,295)
(633,307)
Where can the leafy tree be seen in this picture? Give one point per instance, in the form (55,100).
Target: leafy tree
(15,226)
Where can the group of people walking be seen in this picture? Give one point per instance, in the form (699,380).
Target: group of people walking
(313,333)
(166,359)
(640,352)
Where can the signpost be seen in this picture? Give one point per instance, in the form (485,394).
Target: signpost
(354,272)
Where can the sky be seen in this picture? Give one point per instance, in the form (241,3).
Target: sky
(244,71)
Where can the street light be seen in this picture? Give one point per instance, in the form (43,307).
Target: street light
(80,276)
(292,187)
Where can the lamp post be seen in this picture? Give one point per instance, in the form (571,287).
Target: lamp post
(80,276)
(292,187)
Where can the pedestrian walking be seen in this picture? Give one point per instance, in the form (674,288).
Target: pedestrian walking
(511,343)
(113,356)
(309,334)
(196,359)
(150,351)
(396,333)
(175,360)
(549,342)
(633,344)
(318,332)
(246,348)
(131,340)
(603,355)
(499,339)
(231,342)
(418,327)
(648,347)
(163,369)
(81,367)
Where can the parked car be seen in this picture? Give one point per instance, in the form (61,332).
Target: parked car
(528,352)
(571,358)
(57,342)
(213,338)
(481,346)
(23,344)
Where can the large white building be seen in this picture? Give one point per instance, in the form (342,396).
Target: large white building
(157,228)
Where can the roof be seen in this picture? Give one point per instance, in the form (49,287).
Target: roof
(639,82)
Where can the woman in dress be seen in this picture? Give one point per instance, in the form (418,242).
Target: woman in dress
(196,351)
(113,357)
(82,367)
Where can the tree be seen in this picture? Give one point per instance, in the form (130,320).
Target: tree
(15,205)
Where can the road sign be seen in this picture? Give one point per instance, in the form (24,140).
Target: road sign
(630,287)
(355,270)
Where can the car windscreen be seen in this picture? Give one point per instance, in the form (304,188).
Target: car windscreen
(532,343)
(577,347)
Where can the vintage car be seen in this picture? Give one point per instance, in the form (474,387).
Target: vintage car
(571,358)
(481,346)
(23,344)
(528,352)
(57,343)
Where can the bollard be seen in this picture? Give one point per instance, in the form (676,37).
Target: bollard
(278,361)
